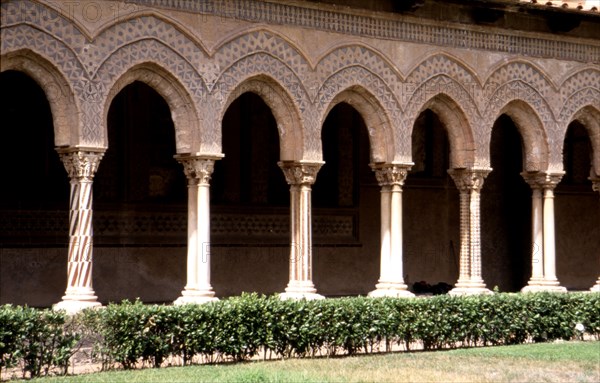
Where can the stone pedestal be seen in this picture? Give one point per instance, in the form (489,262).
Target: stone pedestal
(300,176)
(81,165)
(198,170)
(469,182)
(391,281)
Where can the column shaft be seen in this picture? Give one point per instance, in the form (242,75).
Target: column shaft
(550,282)
(469,182)
(391,281)
(537,232)
(596,187)
(81,166)
(300,176)
(198,170)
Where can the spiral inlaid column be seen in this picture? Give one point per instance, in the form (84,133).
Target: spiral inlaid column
(198,170)
(391,281)
(469,183)
(81,165)
(300,176)
(596,187)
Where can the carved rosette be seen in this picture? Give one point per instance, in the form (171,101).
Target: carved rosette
(80,164)
(300,173)
(469,179)
(390,174)
(198,170)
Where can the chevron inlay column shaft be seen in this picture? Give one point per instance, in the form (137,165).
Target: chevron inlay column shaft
(469,183)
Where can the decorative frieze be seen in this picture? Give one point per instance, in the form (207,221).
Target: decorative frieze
(382,27)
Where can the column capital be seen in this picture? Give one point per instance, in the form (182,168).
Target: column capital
(300,172)
(595,183)
(80,163)
(389,174)
(198,169)
(542,180)
(468,179)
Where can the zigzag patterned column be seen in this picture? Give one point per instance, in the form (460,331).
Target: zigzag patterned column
(469,182)
(391,281)
(81,165)
(198,170)
(300,176)
(596,187)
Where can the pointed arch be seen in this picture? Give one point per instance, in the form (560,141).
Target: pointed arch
(63,104)
(533,135)
(589,117)
(183,112)
(283,108)
(460,135)
(381,134)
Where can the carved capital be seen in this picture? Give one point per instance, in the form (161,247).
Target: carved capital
(595,183)
(300,173)
(197,169)
(469,179)
(388,174)
(542,180)
(80,164)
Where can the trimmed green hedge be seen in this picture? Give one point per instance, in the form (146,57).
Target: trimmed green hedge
(240,328)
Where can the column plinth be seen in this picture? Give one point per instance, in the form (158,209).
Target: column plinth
(300,176)
(81,165)
(198,170)
(391,281)
(469,183)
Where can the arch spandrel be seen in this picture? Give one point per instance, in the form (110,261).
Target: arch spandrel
(181,105)
(62,101)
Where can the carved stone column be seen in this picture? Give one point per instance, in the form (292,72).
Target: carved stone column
(550,281)
(300,176)
(198,170)
(537,232)
(391,281)
(596,187)
(469,182)
(543,254)
(81,165)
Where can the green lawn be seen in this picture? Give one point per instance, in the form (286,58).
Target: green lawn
(552,362)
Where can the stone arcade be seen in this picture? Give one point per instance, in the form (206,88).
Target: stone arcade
(329,148)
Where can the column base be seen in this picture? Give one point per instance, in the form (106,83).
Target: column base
(551,285)
(596,287)
(73,303)
(301,290)
(195,297)
(470,288)
(391,290)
